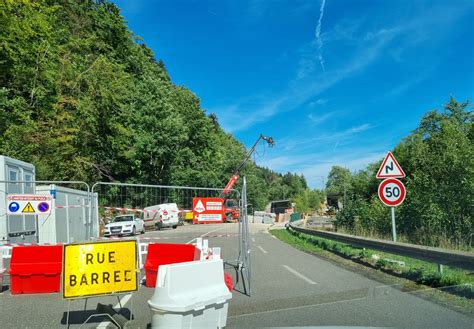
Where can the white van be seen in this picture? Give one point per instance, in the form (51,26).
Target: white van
(161,215)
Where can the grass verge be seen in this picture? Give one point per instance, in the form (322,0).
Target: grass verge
(454,281)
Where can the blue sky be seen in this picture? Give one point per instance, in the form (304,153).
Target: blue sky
(335,82)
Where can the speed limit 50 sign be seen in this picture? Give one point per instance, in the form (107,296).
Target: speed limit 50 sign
(392,192)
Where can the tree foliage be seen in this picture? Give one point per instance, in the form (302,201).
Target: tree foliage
(438,159)
(339,180)
(309,200)
(83,98)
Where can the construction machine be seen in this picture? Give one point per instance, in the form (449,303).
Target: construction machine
(231,206)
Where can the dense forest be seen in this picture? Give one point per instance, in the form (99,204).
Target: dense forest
(83,98)
(438,160)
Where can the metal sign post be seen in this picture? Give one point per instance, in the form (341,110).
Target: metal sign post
(394,229)
(391,191)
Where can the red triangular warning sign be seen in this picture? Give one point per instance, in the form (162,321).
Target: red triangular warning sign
(390,168)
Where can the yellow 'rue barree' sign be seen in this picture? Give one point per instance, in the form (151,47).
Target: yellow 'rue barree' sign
(99,268)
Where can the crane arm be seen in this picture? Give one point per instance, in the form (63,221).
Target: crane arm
(235,176)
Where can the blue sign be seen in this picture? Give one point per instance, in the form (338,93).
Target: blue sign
(14,207)
(43,206)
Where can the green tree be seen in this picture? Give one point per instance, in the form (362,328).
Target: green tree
(438,159)
(309,200)
(339,180)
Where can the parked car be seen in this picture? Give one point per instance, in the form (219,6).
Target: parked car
(125,225)
(161,216)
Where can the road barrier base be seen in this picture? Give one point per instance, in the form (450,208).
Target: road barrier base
(179,302)
(212,317)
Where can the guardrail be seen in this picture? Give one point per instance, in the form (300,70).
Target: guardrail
(462,259)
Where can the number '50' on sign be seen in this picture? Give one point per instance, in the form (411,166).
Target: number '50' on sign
(392,192)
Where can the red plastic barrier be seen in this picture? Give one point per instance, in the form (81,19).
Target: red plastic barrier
(228,282)
(36,269)
(167,253)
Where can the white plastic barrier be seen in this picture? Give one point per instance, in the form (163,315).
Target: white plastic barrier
(2,270)
(190,295)
(203,246)
(142,252)
(5,252)
(215,253)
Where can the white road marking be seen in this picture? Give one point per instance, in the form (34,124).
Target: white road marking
(123,301)
(262,250)
(299,275)
(253,239)
(296,308)
(203,235)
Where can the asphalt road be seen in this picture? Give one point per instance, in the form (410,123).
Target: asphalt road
(289,289)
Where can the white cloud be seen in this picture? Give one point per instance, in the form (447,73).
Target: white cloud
(371,35)
(313,172)
(241,116)
(317,119)
(359,129)
(345,30)
(301,144)
(319,101)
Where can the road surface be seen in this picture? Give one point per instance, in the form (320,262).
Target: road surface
(289,289)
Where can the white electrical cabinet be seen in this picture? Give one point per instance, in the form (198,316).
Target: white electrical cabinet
(72,218)
(17,228)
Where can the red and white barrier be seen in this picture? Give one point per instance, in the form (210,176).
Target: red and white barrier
(122,209)
(200,245)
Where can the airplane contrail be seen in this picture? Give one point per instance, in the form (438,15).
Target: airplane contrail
(318,35)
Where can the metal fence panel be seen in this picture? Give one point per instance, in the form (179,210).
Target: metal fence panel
(124,198)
